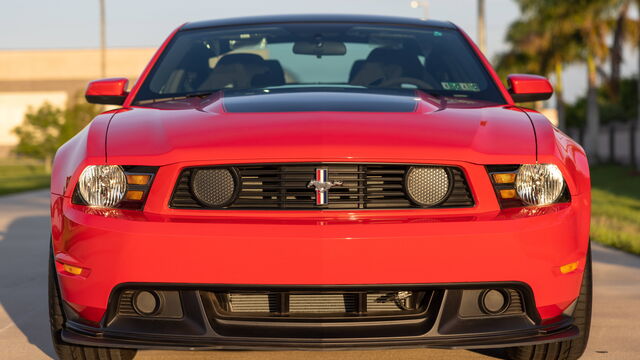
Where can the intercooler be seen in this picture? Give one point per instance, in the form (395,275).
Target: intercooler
(321,303)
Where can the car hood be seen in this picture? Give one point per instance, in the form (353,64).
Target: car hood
(320,126)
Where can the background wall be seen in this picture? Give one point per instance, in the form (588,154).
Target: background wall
(29,78)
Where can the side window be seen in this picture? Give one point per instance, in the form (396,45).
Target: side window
(183,71)
(465,70)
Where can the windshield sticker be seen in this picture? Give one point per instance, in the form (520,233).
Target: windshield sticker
(461,86)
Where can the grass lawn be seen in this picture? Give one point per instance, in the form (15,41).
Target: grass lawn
(616,207)
(22,175)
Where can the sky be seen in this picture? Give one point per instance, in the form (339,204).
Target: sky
(54,24)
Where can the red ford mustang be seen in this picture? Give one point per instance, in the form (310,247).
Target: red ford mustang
(305,182)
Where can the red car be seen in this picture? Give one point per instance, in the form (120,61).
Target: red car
(312,182)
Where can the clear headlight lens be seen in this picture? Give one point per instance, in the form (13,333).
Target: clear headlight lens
(102,185)
(539,184)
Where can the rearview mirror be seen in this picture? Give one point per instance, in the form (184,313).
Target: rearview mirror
(528,88)
(319,48)
(107,91)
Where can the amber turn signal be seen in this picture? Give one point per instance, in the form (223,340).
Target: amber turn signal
(565,269)
(72,269)
(138,179)
(508,194)
(134,195)
(504,178)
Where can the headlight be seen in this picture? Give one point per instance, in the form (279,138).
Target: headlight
(528,185)
(102,185)
(539,184)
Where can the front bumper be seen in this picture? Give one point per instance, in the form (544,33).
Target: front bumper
(331,248)
(444,323)
(497,341)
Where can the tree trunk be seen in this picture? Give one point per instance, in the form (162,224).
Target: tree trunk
(562,123)
(638,80)
(48,159)
(616,51)
(103,41)
(593,114)
(538,105)
(482,30)
(634,135)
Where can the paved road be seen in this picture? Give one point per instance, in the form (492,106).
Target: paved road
(24,332)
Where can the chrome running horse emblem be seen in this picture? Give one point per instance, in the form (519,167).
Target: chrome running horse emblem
(322,185)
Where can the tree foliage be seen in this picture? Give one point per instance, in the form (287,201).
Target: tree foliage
(46,128)
(625,108)
(553,33)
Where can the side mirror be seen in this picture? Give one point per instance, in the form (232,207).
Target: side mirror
(528,88)
(107,91)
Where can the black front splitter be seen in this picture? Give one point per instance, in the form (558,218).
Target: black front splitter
(444,342)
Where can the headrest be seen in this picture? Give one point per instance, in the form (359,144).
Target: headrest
(387,55)
(241,58)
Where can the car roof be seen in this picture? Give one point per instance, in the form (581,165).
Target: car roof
(328,18)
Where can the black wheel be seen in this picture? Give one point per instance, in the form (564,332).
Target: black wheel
(568,349)
(68,351)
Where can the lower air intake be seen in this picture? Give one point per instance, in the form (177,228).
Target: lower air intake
(322,304)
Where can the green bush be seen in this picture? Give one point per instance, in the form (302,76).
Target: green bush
(46,128)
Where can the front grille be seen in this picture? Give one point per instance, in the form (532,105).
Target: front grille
(322,313)
(284,186)
(320,304)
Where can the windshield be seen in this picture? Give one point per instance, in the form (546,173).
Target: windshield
(202,61)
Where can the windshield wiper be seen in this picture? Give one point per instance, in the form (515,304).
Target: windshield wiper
(431,92)
(437,95)
(202,94)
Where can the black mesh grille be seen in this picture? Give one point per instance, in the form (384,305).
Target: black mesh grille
(428,185)
(213,187)
(284,186)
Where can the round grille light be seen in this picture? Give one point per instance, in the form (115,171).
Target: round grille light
(213,187)
(428,185)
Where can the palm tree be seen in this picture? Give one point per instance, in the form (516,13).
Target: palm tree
(103,41)
(482,29)
(634,140)
(558,32)
(637,36)
(539,46)
(592,23)
(621,28)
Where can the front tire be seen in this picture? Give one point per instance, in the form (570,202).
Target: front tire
(567,349)
(68,351)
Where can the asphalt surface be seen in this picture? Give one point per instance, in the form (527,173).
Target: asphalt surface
(24,328)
